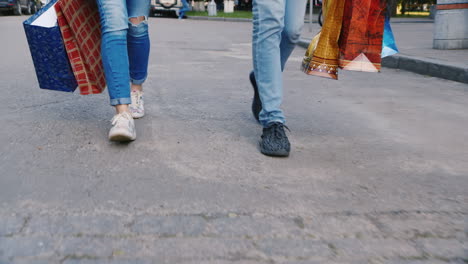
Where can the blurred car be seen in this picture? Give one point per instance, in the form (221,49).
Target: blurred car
(171,7)
(19,7)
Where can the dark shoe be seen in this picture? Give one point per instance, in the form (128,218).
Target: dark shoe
(274,141)
(256,103)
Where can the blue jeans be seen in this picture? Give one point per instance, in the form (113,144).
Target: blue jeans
(185,8)
(125,46)
(277,26)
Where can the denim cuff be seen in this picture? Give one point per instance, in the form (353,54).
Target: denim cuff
(138,82)
(121,101)
(267,123)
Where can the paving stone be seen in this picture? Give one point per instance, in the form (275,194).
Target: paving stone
(108,261)
(34,260)
(11,224)
(447,71)
(390,62)
(340,227)
(86,247)
(410,64)
(247,226)
(445,249)
(424,225)
(184,249)
(77,225)
(158,261)
(463,76)
(169,225)
(302,262)
(294,248)
(373,248)
(328,261)
(26,247)
(420,261)
(171,250)
(243,261)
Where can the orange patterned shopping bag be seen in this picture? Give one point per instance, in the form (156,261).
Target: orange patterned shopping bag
(362,35)
(80,26)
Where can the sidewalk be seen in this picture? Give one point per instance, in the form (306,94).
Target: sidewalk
(414,39)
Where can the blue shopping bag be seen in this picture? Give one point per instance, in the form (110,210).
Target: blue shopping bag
(53,69)
(389,46)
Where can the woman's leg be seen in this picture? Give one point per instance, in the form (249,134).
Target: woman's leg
(138,41)
(138,52)
(114,25)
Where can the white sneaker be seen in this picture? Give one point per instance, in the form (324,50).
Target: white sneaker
(123,128)
(137,106)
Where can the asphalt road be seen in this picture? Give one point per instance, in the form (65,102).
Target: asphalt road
(378,171)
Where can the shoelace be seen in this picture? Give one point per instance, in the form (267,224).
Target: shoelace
(117,118)
(278,132)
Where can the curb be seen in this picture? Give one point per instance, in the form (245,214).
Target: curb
(425,66)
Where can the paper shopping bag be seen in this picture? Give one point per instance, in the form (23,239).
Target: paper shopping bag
(53,69)
(322,56)
(80,26)
(389,46)
(362,34)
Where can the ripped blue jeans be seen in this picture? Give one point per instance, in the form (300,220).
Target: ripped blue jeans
(125,46)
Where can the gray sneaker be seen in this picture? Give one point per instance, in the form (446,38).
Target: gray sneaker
(123,128)
(274,142)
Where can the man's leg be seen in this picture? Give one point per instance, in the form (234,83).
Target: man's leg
(293,22)
(268,25)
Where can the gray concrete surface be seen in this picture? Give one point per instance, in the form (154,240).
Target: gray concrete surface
(377,174)
(451,26)
(415,40)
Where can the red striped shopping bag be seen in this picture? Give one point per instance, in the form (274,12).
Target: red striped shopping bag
(80,26)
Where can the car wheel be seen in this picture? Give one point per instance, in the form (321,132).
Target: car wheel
(28,8)
(17,9)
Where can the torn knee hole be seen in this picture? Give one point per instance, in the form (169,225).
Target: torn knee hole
(137,20)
